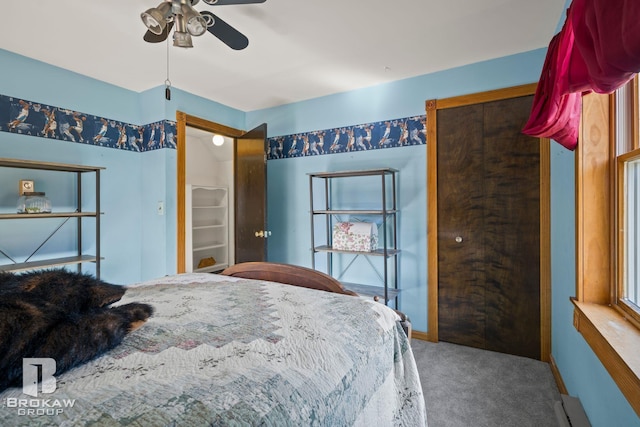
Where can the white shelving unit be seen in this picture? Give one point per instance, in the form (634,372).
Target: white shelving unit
(207,221)
(331,202)
(79,214)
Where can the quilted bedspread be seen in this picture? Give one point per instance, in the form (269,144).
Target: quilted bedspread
(235,352)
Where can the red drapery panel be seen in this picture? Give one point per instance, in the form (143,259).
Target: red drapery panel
(598,49)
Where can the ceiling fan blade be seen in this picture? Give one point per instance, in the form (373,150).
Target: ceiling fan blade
(224,2)
(225,32)
(157,38)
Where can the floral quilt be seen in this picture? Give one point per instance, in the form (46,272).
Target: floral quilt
(223,351)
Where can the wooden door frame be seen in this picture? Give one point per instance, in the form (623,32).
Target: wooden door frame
(432,106)
(182,121)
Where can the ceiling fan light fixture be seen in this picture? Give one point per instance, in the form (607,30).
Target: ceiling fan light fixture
(155,19)
(195,23)
(153,22)
(181,18)
(182,39)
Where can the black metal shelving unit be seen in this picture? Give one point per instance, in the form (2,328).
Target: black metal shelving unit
(324,208)
(79,214)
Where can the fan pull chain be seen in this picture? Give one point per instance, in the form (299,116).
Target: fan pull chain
(167,82)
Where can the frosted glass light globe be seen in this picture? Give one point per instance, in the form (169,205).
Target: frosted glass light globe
(218,140)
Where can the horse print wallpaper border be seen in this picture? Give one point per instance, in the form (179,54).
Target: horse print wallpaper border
(26,117)
(31,118)
(362,137)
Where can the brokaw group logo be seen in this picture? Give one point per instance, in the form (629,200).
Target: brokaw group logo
(37,378)
(34,369)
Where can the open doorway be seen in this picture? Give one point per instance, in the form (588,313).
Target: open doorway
(239,164)
(209,196)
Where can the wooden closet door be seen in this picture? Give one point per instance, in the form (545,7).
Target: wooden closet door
(489,228)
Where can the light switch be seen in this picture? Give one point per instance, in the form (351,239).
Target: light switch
(160,208)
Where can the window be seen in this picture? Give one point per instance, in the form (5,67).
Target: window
(626,124)
(630,234)
(608,261)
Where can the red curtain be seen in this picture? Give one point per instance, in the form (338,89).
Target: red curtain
(598,49)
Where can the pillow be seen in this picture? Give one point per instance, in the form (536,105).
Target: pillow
(61,315)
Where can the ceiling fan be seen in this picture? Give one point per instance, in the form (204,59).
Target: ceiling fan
(189,22)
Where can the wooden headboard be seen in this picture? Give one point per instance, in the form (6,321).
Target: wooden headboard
(288,274)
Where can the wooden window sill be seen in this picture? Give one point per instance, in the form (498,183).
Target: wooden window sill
(616,342)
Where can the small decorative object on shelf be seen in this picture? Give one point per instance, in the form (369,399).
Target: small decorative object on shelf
(24,186)
(207,262)
(355,236)
(34,202)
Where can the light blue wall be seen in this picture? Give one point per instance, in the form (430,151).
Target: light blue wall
(38,82)
(138,244)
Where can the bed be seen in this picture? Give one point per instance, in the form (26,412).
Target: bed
(242,348)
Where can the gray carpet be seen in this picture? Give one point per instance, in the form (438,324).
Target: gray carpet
(465,387)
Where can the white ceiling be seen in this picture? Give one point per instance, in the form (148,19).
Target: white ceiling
(298,49)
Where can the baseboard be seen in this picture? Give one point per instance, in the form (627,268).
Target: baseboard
(420,335)
(556,375)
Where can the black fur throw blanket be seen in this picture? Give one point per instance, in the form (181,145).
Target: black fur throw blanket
(60,315)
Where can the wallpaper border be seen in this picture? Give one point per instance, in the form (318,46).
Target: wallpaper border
(26,117)
(363,137)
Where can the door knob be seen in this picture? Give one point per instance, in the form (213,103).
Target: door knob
(458,239)
(260,233)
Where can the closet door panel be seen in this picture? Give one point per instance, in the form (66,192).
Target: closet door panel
(461,277)
(511,229)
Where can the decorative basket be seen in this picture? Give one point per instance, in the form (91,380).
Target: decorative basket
(355,236)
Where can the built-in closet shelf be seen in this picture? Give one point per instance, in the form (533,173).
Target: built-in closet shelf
(215,245)
(207,226)
(204,227)
(80,258)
